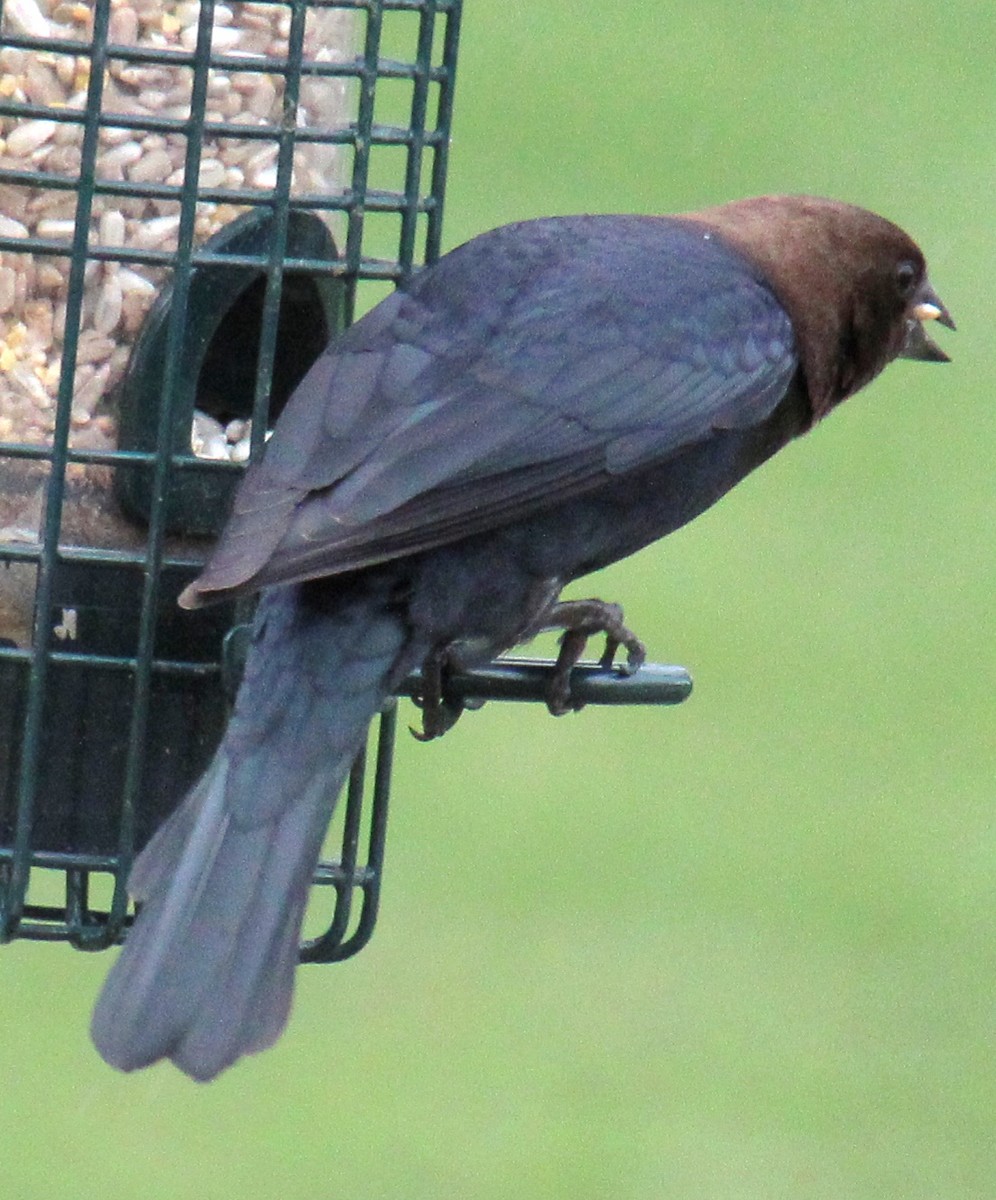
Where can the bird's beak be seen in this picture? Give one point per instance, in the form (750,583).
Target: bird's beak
(926,306)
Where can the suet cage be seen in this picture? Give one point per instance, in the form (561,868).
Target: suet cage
(194,197)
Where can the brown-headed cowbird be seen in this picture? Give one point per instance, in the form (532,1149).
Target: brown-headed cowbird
(546,399)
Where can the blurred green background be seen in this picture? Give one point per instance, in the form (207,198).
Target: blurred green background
(743,948)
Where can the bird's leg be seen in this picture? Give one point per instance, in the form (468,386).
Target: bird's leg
(439,714)
(580,620)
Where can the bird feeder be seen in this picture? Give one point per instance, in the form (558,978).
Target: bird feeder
(194,198)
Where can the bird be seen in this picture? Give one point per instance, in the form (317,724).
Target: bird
(546,399)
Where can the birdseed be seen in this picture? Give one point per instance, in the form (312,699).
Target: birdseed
(34,286)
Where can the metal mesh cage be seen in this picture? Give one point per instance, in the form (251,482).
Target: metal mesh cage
(192,196)
(193,199)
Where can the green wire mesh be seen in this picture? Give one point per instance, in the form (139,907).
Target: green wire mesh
(110,701)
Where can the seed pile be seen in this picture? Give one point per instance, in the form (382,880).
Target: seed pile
(117,293)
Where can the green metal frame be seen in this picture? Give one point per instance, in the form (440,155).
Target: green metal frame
(88,904)
(89,913)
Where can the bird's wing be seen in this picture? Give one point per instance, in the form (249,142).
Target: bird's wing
(523,369)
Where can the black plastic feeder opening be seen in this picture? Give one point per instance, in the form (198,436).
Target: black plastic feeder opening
(213,399)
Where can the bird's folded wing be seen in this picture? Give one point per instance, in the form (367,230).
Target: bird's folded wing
(436,417)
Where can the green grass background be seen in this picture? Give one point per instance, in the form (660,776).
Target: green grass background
(741,949)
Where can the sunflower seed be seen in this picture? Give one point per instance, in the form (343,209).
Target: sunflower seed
(28,136)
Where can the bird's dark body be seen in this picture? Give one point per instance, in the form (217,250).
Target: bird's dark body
(546,400)
(535,365)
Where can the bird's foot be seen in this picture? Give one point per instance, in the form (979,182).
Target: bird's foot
(580,620)
(439,712)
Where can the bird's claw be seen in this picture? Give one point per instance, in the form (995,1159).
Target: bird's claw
(636,653)
(580,620)
(439,712)
(437,720)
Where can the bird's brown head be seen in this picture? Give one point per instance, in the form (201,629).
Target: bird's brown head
(854,285)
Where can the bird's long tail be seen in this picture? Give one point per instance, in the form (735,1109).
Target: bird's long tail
(206,974)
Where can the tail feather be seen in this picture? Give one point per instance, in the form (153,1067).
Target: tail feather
(206,974)
(252,989)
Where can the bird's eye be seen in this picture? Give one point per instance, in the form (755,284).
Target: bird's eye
(906,278)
